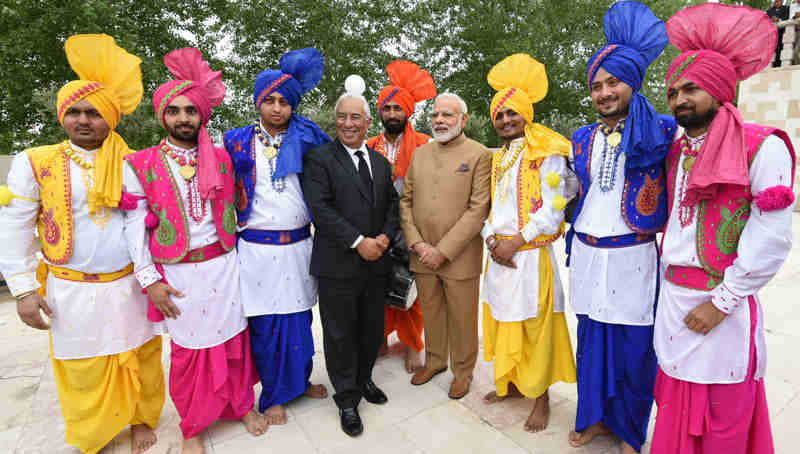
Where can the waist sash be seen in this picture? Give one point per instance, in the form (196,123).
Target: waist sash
(525,247)
(203,254)
(691,277)
(80,276)
(631,239)
(276,237)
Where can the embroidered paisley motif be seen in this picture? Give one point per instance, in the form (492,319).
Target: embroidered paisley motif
(51,231)
(647,197)
(166,235)
(229,218)
(731,226)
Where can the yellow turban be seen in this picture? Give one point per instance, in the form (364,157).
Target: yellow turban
(111,80)
(521,81)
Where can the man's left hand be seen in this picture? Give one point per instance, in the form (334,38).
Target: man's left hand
(703,318)
(504,250)
(432,258)
(383,240)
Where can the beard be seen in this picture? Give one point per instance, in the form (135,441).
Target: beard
(444,137)
(190,136)
(692,120)
(393,126)
(618,112)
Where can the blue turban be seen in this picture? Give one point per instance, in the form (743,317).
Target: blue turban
(301,70)
(636,37)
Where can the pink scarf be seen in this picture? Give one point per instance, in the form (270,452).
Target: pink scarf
(204,88)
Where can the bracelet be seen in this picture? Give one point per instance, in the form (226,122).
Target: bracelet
(24,295)
(492,242)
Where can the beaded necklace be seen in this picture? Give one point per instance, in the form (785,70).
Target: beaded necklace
(102,215)
(271,151)
(689,152)
(187,160)
(610,157)
(510,156)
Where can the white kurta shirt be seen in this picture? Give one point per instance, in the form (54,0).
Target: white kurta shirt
(611,285)
(211,308)
(513,293)
(722,355)
(275,279)
(89,319)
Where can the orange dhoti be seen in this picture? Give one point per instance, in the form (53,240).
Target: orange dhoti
(408,324)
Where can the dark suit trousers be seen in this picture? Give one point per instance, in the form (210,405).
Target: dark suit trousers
(352,327)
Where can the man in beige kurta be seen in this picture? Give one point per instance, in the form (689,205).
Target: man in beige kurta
(444,204)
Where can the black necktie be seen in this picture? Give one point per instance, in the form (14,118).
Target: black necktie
(363,172)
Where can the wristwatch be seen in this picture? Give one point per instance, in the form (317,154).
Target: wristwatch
(491,242)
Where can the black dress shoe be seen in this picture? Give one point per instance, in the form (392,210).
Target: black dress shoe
(351,421)
(373,394)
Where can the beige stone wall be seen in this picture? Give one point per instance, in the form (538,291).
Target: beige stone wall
(772,98)
(5,164)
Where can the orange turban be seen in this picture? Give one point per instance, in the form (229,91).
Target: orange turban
(521,81)
(111,80)
(409,85)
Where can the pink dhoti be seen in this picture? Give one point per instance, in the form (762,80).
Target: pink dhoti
(212,383)
(696,418)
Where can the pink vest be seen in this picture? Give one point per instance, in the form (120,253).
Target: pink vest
(720,221)
(169,242)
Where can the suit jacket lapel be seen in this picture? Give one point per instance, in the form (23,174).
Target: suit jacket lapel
(347,162)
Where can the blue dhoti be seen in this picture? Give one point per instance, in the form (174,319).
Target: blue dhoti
(616,374)
(283,348)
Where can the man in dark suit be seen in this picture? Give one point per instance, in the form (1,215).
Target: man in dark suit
(354,207)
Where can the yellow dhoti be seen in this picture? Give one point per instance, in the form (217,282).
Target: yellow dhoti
(534,353)
(100,396)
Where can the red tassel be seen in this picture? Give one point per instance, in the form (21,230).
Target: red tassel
(151,221)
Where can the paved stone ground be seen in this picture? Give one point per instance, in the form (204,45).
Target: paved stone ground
(416,420)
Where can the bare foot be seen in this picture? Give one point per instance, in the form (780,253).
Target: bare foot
(578,439)
(625,448)
(255,423)
(275,415)
(142,438)
(540,415)
(317,391)
(193,446)
(384,350)
(413,361)
(493,398)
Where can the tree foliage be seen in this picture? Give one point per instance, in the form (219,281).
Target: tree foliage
(457,41)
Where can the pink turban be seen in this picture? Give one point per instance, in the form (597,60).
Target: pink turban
(721,45)
(204,88)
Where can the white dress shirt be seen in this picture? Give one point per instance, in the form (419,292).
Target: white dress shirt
(365,153)
(275,279)
(611,285)
(211,308)
(89,319)
(513,293)
(722,355)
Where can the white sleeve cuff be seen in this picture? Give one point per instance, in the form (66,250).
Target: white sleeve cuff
(357,242)
(148,276)
(487,230)
(725,300)
(22,283)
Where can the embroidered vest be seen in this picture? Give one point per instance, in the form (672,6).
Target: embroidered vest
(169,242)
(51,168)
(720,220)
(529,193)
(242,149)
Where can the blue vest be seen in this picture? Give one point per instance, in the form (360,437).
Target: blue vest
(644,197)
(239,143)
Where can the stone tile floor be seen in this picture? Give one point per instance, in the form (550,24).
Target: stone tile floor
(416,420)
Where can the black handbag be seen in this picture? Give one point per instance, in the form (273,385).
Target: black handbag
(401,292)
